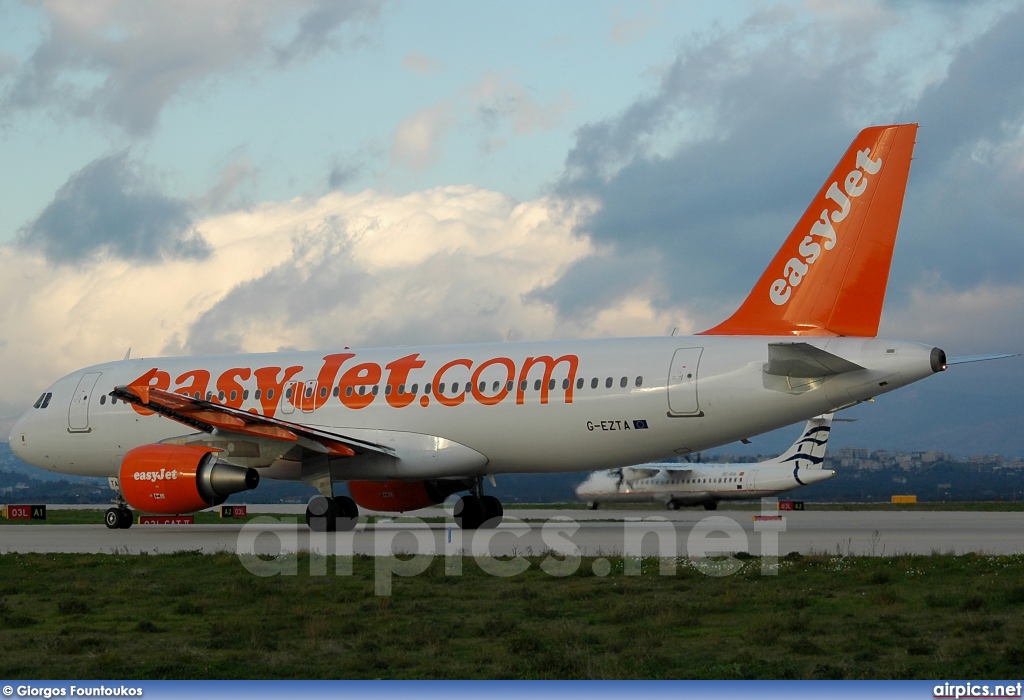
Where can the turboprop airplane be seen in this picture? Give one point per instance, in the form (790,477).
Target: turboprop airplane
(676,484)
(407,427)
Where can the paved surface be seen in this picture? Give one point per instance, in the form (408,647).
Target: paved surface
(590,533)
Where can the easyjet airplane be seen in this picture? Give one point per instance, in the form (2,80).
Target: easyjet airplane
(676,484)
(407,427)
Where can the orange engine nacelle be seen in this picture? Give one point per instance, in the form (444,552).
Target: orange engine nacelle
(170,479)
(400,496)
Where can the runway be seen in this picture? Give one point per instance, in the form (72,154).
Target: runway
(565,532)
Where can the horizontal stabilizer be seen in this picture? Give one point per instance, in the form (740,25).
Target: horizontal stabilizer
(977,358)
(806,361)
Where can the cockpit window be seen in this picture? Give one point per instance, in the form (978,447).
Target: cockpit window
(39,401)
(46,399)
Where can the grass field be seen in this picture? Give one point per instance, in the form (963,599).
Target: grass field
(190,615)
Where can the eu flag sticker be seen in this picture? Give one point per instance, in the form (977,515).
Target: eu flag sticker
(640,425)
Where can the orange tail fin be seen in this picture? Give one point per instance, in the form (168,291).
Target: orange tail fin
(829,277)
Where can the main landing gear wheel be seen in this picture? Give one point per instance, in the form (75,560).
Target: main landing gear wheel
(711,506)
(475,512)
(339,513)
(321,514)
(468,512)
(347,514)
(673,505)
(118,518)
(493,512)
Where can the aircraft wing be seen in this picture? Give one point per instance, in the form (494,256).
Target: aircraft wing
(635,473)
(209,417)
(805,361)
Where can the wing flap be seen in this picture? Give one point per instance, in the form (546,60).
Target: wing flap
(208,417)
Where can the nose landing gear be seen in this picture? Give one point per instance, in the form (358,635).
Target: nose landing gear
(120,517)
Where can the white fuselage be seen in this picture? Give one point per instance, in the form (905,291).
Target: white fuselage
(697,484)
(533,407)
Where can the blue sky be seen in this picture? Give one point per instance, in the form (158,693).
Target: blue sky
(307,174)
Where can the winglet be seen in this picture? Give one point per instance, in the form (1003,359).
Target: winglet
(830,275)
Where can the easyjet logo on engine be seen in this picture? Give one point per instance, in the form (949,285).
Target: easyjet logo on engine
(162,475)
(823,232)
(399,383)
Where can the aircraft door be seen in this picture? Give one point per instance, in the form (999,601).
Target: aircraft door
(78,412)
(682,382)
(309,397)
(290,397)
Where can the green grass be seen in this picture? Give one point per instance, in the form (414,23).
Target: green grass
(190,615)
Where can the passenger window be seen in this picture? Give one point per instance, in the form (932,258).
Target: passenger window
(426,388)
(113,400)
(348,390)
(245,395)
(579,383)
(103,399)
(337,390)
(536,385)
(415,389)
(288,393)
(469,387)
(608,383)
(401,389)
(508,387)
(623,382)
(483,385)
(565,383)
(440,388)
(323,392)
(362,391)
(522,385)
(234,394)
(387,390)
(455,387)
(374,389)
(496,385)
(256,396)
(220,396)
(639,381)
(270,394)
(551,385)
(593,383)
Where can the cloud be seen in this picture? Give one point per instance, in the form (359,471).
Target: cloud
(123,61)
(494,104)
(420,64)
(108,208)
(417,139)
(628,30)
(711,170)
(499,99)
(444,265)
